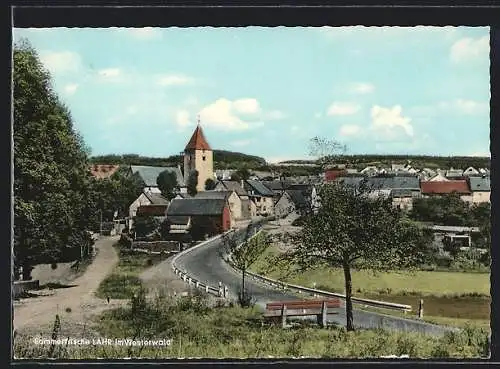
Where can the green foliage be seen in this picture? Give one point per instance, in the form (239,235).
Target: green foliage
(192,183)
(145,225)
(198,331)
(449,210)
(53,203)
(354,230)
(209,184)
(167,184)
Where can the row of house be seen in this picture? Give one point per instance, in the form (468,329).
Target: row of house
(424,174)
(404,189)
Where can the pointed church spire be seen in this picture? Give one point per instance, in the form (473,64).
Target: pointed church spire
(198,141)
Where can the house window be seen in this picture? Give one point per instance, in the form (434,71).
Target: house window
(204,157)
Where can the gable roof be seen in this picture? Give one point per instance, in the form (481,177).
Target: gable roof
(155,198)
(213,195)
(383,183)
(101,171)
(297,198)
(277,185)
(234,186)
(198,141)
(150,174)
(333,174)
(480,184)
(259,188)
(445,187)
(194,206)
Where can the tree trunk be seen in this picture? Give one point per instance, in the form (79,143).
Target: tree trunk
(348,297)
(243,283)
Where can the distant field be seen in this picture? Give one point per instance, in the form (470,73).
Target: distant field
(454,295)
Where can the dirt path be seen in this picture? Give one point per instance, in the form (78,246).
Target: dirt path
(35,315)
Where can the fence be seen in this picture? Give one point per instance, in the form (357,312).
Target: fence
(300,289)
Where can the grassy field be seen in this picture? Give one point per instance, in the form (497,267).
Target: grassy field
(197,331)
(124,281)
(454,295)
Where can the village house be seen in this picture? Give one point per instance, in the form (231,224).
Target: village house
(102,171)
(277,187)
(204,216)
(149,176)
(438,177)
(261,196)
(145,199)
(454,174)
(230,197)
(459,187)
(470,171)
(480,188)
(248,209)
(289,202)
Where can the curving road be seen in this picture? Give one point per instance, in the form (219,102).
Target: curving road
(207,265)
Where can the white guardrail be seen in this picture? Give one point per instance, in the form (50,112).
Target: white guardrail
(220,290)
(300,289)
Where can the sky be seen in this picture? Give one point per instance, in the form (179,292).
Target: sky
(268,91)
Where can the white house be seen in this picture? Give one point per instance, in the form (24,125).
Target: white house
(145,198)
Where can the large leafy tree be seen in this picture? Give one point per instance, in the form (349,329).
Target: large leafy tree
(167,183)
(52,184)
(354,230)
(210,184)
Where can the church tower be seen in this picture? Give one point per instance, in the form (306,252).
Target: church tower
(198,156)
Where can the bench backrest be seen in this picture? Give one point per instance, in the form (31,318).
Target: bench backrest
(303,304)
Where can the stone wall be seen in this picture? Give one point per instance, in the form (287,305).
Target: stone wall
(157,246)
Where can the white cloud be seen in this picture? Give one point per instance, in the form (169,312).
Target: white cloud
(70,88)
(246,106)
(182,119)
(174,80)
(240,143)
(343,108)
(470,49)
(146,33)
(60,61)
(221,114)
(362,88)
(226,114)
(386,121)
(350,130)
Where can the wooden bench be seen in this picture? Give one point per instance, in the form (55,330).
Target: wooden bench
(320,308)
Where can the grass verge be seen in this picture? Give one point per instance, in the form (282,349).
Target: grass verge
(124,282)
(198,331)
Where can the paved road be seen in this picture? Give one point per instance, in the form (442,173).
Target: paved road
(206,265)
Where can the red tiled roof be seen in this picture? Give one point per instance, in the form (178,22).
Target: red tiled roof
(198,141)
(442,187)
(332,174)
(102,171)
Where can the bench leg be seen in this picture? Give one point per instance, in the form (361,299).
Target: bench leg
(283,316)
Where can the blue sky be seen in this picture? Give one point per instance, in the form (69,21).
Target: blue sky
(267,91)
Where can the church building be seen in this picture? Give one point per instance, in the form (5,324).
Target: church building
(198,156)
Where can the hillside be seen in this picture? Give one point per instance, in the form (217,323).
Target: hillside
(222,159)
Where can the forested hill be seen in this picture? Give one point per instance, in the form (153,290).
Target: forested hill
(421,161)
(222,159)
